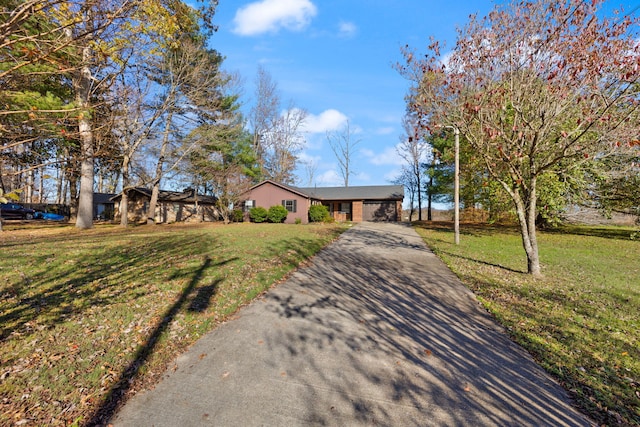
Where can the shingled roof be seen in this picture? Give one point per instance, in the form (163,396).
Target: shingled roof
(365,192)
(173,196)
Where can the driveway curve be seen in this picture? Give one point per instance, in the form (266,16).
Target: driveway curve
(375,330)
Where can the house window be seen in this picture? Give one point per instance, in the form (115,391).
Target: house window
(290,205)
(247,205)
(345,207)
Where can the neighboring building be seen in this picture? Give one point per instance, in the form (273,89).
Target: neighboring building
(103,206)
(361,203)
(172,206)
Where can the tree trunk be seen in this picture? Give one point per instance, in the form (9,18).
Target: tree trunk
(124,202)
(153,203)
(419,184)
(430,199)
(533,260)
(82,88)
(195,199)
(2,187)
(155,191)
(72,188)
(41,187)
(124,209)
(526,211)
(412,209)
(84,219)
(60,175)
(29,186)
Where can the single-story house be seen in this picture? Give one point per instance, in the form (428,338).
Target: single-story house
(357,204)
(172,206)
(103,206)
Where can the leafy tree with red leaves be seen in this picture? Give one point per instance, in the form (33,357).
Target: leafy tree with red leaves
(535,88)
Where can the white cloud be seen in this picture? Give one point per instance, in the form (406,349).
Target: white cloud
(363,177)
(329,178)
(446,59)
(328,120)
(389,156)
(347,29)
(306,158)
(385,130)
(267,16)
(392,175)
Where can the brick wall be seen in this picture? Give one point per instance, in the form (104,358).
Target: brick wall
(356,211)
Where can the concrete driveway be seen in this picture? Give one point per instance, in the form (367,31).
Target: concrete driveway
(376,330)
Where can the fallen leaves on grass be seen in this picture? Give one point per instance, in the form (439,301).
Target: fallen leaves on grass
(77,321)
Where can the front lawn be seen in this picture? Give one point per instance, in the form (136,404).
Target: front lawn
(581,321)
(89,317)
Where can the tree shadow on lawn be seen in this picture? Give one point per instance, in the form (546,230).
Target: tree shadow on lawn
(115,397)
(549,325)
(294,251)
(479,261)
(297,249)
(483,229)
(91,280)
(100,282)
(469,228)
(620,233)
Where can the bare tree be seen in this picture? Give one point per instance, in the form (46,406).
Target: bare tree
(229,182)
(343,144)
(413,150)
(133,126)
(283,143)
(408,179)
(265,113)
(276,132)
(310,169)
(191,84)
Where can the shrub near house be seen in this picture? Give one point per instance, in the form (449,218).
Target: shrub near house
(258,214)
(318,213)
(277,214)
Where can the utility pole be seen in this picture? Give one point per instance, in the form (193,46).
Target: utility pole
(456,187)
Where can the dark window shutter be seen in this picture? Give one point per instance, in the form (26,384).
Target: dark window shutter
(295,202)
(284,203)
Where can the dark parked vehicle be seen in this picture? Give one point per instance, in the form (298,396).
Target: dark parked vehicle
(15,211)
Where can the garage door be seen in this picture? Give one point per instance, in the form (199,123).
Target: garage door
(379,211)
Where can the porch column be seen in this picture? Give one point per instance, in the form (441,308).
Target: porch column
(356,211)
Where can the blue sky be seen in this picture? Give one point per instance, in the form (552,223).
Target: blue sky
(335,58)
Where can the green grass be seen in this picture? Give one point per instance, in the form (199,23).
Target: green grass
(87,318)
(581,321)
